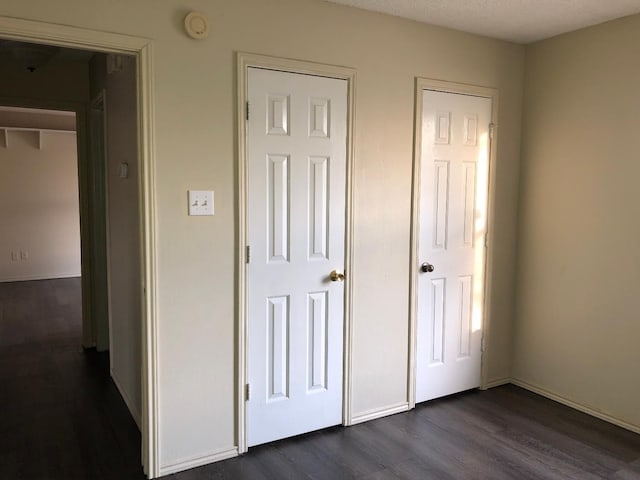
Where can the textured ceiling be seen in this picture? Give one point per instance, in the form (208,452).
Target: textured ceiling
(521,21)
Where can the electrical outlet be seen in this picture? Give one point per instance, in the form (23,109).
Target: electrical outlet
(24,255)
(200,202)
(14,256)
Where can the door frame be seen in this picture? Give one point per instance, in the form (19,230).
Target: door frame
(422,84)
(95,40)
(244,62)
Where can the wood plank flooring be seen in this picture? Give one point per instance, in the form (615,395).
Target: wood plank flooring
(61,417)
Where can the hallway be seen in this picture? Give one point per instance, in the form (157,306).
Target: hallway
(62,416)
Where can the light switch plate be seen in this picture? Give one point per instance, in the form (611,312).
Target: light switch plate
(201,202)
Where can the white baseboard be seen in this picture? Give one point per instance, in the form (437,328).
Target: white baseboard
(575,405)
(496,383)
(135,413)
(29,278)
(379,413)
(197,461)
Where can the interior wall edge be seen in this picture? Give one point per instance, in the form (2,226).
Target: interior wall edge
(520,206)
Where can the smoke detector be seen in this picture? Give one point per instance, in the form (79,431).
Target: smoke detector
(197,25)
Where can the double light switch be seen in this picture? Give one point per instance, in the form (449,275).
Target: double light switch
(201,202)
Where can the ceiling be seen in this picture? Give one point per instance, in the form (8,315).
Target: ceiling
(520,21)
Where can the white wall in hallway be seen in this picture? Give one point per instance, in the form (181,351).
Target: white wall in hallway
(125,308)
(39,211)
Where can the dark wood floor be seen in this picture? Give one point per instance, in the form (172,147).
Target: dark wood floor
(62,418)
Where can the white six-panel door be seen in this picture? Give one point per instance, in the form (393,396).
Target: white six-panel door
(453,206)
(296,174)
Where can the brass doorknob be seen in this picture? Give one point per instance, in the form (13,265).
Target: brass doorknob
(426,267)
(336,276)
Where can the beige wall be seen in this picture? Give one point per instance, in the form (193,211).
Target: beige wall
(39,212)
(123,220)
(195,140)
(577,330)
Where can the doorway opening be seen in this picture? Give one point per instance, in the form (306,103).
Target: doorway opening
(99,312)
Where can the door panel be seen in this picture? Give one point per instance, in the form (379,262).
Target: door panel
(453,186)
(296,230)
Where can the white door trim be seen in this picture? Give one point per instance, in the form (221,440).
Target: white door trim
(466,89)
(244,61)
(74,37)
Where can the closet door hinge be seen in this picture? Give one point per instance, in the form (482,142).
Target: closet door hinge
(248,254)
(247,110)
(247,392)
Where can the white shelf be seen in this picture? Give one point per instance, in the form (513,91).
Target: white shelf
(39,131)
